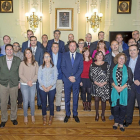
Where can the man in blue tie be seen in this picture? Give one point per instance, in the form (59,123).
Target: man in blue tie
(72,67)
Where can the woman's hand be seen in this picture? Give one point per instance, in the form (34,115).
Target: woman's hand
(29,83)
(81,84)
(48,88)
(44,88)
(119,89)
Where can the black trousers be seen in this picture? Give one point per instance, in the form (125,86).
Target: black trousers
(131,103)
(85,90)
(20,100)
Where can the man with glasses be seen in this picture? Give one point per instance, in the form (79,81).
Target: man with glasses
(136,36)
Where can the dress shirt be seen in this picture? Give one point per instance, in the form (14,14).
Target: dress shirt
(56,41)
(55,58)
(89,43)
(120,48)
(3,49)
(19,55)
(132,64)
(74,54)
(9,62)
(113,54)
(34,50)
(28,43)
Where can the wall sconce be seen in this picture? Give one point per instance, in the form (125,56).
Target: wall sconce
(34,19)
(94,19)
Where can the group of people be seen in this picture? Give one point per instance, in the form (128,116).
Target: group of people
(107,71)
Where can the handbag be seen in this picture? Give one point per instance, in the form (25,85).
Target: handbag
(93,89)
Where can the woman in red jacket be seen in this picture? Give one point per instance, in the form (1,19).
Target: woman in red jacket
(85,81)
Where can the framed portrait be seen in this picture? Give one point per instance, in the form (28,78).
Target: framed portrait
(124,7)
(6,6)
(64,19)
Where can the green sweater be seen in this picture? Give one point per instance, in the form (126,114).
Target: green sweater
(9,76)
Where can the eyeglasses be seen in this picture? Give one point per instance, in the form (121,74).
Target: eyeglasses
(136,34)
(46,57)
(80,43)
(15,46)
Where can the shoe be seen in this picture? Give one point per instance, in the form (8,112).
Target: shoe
(115,126)
(2,124)
(89,106)
(19,106)
(14,122)
(97,117)
(103,118)
(44,119)
(39,107)
(66,119)
(122,129)
(8,107)
(33,119)
(76,119)
(50,120)
(111,117)
(48,108)
(84,106)
(58,108)
(25,120)
(126,124)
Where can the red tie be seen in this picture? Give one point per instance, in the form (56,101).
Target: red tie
(88,45)
(30,44)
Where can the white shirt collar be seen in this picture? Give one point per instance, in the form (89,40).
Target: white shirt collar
(28,43)
(74,54)
(88,42)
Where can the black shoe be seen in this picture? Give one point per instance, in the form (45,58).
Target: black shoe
(76,119)
(48,108)
(66,119)
(14,122)
(39,107)
(58,108)
(126,124)
(122,129)
(115,127)
(2,124)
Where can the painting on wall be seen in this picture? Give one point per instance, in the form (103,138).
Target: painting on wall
(64,19)
(6,6)
(124,7)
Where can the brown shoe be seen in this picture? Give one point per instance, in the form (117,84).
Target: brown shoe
(25,120)
(103,118)
(97,117)
(8,107)
(50,120)
(84,106)
(19,106)
(44,119)
(89,106)
(33,119)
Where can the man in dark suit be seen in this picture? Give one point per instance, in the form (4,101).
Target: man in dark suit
(27,44)
(57,40)
(38,54)
(72,67)
(88,43)
(9,84)
(134,63)
(101,37)
(57,58)
(136,36)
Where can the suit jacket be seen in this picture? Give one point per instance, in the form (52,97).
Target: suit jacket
(9,76)
(136,72)
(106,43)
(61,46)
(58,64)
(25,45)
(69,70)
(3,49)
(92,47)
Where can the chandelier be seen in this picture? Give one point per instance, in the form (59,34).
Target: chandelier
(34,19)
(94,19)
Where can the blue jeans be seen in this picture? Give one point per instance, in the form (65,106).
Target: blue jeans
(38,94)
(28,94)
(51,95)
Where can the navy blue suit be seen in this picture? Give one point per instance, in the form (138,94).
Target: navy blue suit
(69,70)
(25,45)
(58,65)
(135,92)
(61,46)
(106,43)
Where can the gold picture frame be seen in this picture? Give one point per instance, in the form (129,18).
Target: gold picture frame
(64,19)
(6,6)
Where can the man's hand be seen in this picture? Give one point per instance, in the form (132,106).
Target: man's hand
(18,85)
(137,82)
(72,79)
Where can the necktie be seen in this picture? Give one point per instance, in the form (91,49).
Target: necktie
(30,44)
(33,51)
(72,60)
(88,45)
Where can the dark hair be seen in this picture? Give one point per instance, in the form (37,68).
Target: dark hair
(115,41)
(45,35)
(80,40)
(133,39)
(33,37)
(56,31)
(43,65)
(118,34)
(55,43)
(97,53)
(101,41)
(7,36)
(16,43)
(100,32)
(25,59)
(135,46)
(30,31)
(73,41)
(84,50)
(8,46)
(117,57)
